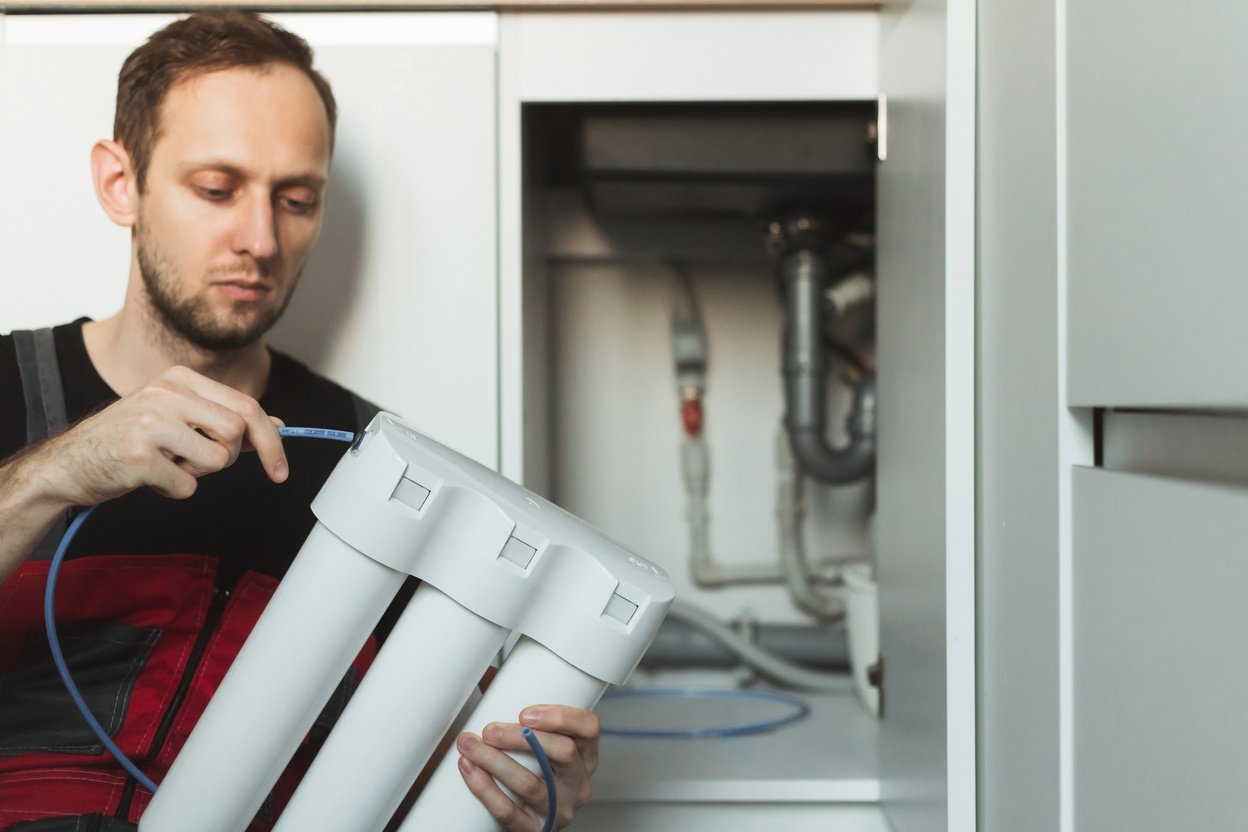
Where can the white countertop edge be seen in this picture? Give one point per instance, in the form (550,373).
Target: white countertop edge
(739,791)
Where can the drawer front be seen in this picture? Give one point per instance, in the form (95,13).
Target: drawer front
(1160,639)
(1158,198)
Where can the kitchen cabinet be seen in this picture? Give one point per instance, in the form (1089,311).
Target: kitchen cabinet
(925,774)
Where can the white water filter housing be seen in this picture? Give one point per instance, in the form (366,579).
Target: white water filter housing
(493,559)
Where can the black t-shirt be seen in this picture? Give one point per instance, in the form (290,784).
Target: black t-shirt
(238,514)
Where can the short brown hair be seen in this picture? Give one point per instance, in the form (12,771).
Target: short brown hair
(205,42)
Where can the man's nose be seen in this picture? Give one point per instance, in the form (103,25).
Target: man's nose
(255,232)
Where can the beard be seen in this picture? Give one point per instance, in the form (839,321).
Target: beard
(190,317)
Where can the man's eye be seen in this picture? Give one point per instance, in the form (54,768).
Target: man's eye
(299,206)
(214,194)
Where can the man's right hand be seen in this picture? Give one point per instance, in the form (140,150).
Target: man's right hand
(166,435)
(179,427)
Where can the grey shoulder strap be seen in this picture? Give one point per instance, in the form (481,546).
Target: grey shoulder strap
(41,383)
(45,406)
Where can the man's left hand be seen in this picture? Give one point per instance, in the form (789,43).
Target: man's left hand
(569,736)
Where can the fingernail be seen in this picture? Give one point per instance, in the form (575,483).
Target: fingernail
(466,742)
(531,716)
(280,470)
(466,766)
(493,733)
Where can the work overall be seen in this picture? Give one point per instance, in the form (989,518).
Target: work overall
(147,638)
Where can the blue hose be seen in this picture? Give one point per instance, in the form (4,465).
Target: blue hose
(318,433)
(552,797)
(58,657)
(49,619)
(799,710)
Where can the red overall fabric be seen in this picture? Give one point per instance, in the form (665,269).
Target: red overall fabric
(171,593)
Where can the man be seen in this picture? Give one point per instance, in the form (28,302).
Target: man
(218,166)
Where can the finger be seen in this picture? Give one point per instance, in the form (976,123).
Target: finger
(171,455)
(562,719)
(260,431)
(167,454)
(263,437)
(481,783)
(507,736)
(169,480)
(196,453)
(529,787)
(277,423)
(572,776)
(217,423)
(571,767)
(582,725)
(166,401)
(196,400)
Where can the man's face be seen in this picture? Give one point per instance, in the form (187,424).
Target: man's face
(233,202)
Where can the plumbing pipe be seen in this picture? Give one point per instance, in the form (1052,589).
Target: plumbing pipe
(804,266)
(789,515)
(680,644)
(773,667)
(704,568)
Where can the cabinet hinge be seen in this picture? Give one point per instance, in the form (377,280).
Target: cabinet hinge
(880,128)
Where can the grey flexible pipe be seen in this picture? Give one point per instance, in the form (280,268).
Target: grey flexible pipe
(769,665)
(681,645)
(810,445)
(805,267)
(789,513)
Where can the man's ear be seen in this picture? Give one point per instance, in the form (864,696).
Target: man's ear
(116,188)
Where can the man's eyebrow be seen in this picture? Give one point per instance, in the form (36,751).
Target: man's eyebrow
(314,181)
(215,166)
(306,180)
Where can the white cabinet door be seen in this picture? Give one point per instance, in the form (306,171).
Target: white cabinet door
(926,465)
(640,57)
(1158,198)
(399,300)
(1159,685)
